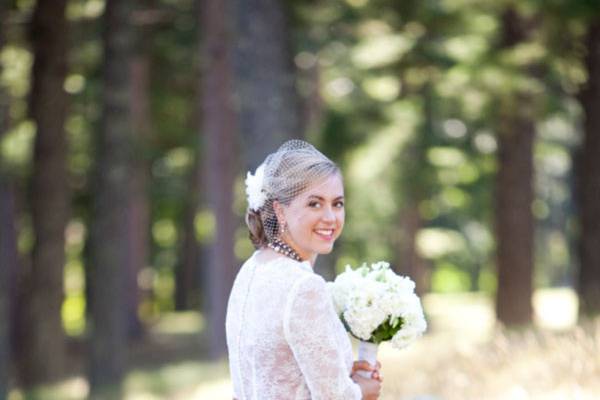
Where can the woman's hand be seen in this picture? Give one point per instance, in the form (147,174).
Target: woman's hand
(365,366)
(370,388)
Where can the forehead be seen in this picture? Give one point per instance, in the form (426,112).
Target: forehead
(328,188)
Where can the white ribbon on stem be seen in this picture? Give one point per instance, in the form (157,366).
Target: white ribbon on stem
(367,352)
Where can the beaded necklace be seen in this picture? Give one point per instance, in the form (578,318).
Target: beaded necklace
(283,248)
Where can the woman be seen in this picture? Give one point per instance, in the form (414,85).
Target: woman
(284,339)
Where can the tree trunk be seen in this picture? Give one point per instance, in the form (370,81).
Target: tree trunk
(8,266)
(311,101)
(139,208)
(189,273)
(264,70)
(514,222)
(186,274)
(410,263)
(43,358)
(514,219)
(589,179)
(8,254)
(109,227)
(218,127)
(415,180)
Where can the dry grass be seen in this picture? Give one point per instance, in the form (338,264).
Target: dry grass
(482,361)
(526,365)
(466,356)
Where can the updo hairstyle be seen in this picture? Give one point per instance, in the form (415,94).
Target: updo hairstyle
(288,172)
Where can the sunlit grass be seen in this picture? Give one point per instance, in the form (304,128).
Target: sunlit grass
(179,323)
(185,380)
(179,381)
(556,308)
(464,355)
(70,389)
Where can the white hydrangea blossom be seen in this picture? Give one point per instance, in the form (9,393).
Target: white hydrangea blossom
(413,327)
(254,188)
(368,296)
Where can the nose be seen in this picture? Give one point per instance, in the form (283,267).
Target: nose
(328,214)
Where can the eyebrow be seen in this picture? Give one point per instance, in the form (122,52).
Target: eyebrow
(323,199)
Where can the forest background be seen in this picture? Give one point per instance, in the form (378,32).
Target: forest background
(468,132)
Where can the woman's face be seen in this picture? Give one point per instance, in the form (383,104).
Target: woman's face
(315,218)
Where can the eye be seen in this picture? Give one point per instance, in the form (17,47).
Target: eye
(314,204)
(339,204)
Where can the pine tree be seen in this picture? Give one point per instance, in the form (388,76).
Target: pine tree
(109,227)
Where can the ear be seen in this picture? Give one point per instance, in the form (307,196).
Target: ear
(278,208)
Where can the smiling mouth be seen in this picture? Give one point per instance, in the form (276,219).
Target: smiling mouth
(325,234)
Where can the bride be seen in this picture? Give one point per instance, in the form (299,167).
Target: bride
(284,338)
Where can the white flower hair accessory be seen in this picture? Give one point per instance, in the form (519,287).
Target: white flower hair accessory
(255,194)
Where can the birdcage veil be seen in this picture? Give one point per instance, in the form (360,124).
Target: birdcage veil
(286,173)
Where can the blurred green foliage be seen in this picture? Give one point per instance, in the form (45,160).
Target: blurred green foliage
(408,95)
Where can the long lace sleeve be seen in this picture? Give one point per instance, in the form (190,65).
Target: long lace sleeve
(309,328)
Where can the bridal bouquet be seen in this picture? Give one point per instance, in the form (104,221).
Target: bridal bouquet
(377,305)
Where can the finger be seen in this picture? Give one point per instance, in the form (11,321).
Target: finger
(378,365)
(361,365)
(358,378)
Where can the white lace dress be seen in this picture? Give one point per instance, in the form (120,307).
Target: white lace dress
(284,339)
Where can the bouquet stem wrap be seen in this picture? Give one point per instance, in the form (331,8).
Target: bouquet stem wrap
(367,352)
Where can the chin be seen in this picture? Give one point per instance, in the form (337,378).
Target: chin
(325,249)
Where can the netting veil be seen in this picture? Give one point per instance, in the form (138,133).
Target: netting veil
(286,173)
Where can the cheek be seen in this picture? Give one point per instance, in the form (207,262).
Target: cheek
(304,224)
(307,224)
(341,217)
(295,217)
(341,222)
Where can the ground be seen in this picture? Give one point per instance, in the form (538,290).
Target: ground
(464,355)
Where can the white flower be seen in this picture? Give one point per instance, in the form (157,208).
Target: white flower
(369,296)
(254,188)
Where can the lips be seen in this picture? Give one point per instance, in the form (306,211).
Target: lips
(325,234)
